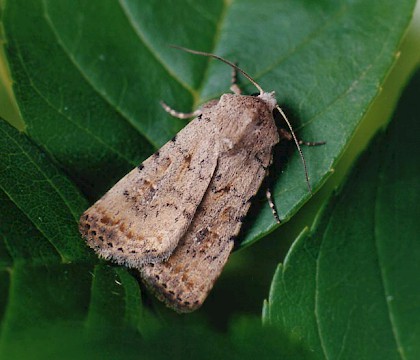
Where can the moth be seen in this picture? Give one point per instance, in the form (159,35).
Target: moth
(176,216)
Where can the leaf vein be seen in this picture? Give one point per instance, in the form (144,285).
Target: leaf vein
(86,130)
(152,51)
(216,39)
(119,110)
(316,302)
(400,348)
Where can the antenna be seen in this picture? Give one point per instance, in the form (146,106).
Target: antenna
(223,60)
(297,145)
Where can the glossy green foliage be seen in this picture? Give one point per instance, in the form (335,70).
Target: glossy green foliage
(350,288)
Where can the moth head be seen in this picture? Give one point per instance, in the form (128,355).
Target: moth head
(269,98)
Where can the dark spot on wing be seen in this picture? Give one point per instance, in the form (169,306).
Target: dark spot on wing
(105,219)
(187,159)
(224,189)
(202,234)
(260,162)
(186,214)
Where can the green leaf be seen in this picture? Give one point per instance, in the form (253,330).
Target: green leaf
(88,77)
(40,207)
(48,278)
(349,288)
(245,339)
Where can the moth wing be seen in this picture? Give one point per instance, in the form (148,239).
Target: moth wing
(185,279)
(142,217)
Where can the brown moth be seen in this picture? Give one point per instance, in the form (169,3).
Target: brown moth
(175,217)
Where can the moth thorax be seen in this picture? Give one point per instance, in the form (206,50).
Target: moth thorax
(239,128)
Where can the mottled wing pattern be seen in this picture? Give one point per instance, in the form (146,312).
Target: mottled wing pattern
(185,279)
(142,217)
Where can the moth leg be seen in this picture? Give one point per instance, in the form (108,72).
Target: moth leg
(284,134)
(180,115)
(235,87)
(312,143)
(272,206)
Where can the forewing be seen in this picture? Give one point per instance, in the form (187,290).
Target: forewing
(141,219)
(185,279)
